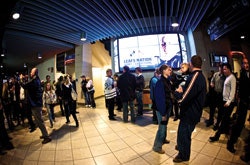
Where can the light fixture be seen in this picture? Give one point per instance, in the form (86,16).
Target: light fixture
(39,56)
(24,65)
(174,22)
(3,52)
(17,11)
(16,15)
(242,36)
(83,36)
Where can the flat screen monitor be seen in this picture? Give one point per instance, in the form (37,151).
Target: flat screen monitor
(150,51)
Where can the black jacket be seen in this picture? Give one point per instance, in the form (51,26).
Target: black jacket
(244,86)
(193,98)
(127,84)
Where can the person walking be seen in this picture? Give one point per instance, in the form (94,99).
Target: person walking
(68,100)
(164,105)
(244,96)
(59,93)
(49,101)
(229,90)
(127,84)
(191,99)
(35,98)
(110,93)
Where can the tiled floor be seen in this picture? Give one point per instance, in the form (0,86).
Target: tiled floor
(100,141)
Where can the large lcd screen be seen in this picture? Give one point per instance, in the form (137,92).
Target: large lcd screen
(150,51)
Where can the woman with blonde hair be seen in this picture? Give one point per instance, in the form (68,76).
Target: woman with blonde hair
(49,100)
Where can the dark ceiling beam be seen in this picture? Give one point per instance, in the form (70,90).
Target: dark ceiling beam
(118,20)
(139,24)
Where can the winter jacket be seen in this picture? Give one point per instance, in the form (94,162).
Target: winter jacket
(193,98)
(127,84)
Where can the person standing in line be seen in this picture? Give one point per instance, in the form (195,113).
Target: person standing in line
(244,96)
(68,100)
(35,98)
(110,94)
(164,105)
(84,90)
(59,93)
(229,90)
(91,92)
(191,99)
(152,84)
(140,84)
(49,100)
(216,99)
(118,95)
(127,84)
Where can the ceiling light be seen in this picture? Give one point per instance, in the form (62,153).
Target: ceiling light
(3,52)
(24,65)
(83,36)
(16,15)
(174,22)
(39,56)
(242,37)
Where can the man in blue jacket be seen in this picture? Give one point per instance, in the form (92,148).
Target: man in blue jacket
(35,98)
(191,104)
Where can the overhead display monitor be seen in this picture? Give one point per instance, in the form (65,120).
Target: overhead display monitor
(150,51)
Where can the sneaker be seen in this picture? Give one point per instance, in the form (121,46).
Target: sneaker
(32,129)
(46,140)
(230,148)
(213,138)
(166,141)
(177,159)
(160,151)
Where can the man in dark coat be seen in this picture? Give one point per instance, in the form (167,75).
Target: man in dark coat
(244,95)
(127,85)
(193,96)
(35,98)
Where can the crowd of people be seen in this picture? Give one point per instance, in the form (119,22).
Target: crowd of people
(181,94)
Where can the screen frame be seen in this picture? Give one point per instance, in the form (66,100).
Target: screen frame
(182,48)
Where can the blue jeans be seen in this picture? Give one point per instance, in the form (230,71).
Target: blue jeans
(139,102)
(184,139)
(161,133)
(125,111)
(86,98)
(51,114)
(162,130)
